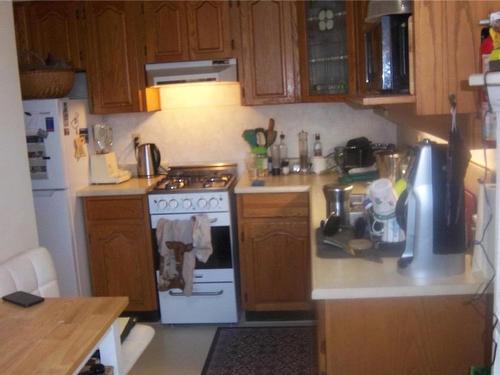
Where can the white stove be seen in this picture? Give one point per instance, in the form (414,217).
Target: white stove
(188,191)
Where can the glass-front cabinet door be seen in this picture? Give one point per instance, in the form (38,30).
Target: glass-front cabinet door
(326,36)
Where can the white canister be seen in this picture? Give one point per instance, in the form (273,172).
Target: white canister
(318,164)
(382,196)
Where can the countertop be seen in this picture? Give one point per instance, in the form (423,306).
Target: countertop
(134,186)
(349,278)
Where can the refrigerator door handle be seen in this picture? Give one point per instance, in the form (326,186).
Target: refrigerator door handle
(44,193)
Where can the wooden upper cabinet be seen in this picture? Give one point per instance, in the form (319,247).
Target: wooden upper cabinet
(47,27)
(116,58)
(269,52)
(166,31)
(190,30)
(209,29)
(327,49)
(23,42)
(447,41)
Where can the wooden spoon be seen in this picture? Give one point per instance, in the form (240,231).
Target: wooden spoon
(269,133)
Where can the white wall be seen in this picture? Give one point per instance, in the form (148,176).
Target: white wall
(205,123)
(17,218)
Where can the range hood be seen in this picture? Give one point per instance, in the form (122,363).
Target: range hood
(191,72)
(380,8)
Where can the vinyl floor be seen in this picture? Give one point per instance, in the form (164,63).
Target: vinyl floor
(182,349)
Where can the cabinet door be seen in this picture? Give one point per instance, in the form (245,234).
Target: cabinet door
(119,263)
(270,54)
(55,29)
(275,264)
(21,24)
(116,58)
(447,40)
(120,249)
(209,29)
(327,49)
(166,31)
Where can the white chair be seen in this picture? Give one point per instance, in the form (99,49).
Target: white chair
(33,271)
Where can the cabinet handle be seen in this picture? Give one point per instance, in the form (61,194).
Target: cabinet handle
(181,294)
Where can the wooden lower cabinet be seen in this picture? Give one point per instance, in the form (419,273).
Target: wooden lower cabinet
(274,251)
(443,335)
(120,250)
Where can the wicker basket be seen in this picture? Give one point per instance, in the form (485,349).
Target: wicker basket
(46,83)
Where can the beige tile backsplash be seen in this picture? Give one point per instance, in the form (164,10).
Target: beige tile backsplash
(205,123)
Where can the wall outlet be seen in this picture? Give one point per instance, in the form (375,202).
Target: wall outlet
(136,139)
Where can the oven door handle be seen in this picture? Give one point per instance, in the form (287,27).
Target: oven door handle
(196,294)
(214,220)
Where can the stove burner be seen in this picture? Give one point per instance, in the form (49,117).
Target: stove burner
(180,181)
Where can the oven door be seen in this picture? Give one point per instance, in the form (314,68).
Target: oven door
(219,266)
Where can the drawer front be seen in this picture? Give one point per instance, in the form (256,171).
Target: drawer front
(274,205)
(210,303)
(115,208)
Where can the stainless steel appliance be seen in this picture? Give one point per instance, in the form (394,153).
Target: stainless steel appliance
(187,191)
(389,165)
(387,54)
(431,249)
(380,8)
(148,160)
(338,201)
(192,72)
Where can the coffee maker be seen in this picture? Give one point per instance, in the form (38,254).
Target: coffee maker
(433,248)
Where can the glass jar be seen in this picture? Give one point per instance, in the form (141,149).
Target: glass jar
(303,152)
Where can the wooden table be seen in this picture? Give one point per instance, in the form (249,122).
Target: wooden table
(58,335)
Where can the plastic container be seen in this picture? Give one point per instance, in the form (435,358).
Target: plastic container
(303,152)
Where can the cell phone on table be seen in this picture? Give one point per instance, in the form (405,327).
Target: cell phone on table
(23,299)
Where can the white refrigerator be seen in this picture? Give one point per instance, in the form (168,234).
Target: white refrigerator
(57,172)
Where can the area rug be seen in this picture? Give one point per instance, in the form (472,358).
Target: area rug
(262,351)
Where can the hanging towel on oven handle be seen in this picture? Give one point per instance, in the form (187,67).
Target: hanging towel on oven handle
(202,249)
(196,231)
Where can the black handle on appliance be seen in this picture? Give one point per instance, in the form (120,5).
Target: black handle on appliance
(156,156)
(402,209)
(403,42)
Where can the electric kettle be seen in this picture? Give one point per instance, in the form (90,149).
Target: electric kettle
(148,160)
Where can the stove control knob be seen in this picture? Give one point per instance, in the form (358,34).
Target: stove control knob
(172,203)
(202,203)
(162,204)
(186,203)
(214,203)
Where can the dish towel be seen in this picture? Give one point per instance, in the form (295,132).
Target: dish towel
(196,233)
